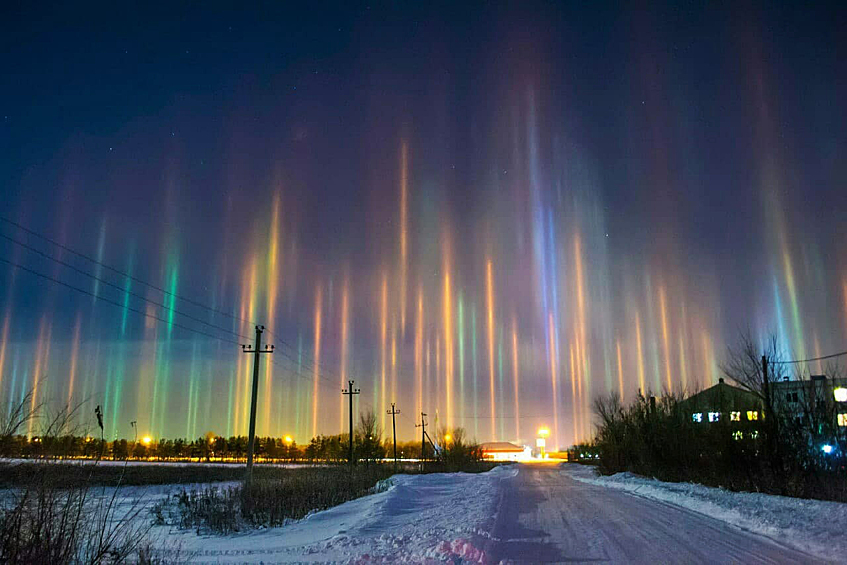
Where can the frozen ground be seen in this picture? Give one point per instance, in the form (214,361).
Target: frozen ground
(542,513)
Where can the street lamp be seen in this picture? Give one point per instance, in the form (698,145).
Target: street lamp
(541,441)
(146,440)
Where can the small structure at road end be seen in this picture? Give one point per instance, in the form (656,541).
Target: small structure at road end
(505,451)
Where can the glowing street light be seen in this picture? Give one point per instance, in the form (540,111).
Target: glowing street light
(541,441)
(288,440)
(146,440)
(447,438)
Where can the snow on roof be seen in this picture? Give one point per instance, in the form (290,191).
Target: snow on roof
(500,446)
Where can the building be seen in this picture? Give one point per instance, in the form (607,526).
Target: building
(505,451)
(818,405)
(739,407)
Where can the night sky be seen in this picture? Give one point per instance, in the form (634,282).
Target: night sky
(490,212)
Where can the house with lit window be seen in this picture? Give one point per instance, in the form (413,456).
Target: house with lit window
(817,404)
(722,402)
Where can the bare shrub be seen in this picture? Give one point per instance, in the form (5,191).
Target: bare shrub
(46,521)
(274,501)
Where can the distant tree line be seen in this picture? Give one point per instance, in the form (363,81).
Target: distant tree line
(203,448)
(369,446)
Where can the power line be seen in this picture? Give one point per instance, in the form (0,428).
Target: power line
(311,364)
(119,288)
(122,273)
(309,360)
(118,304)
(136,279)
(140,281)
(823,358)
(300,362)
(322,380)
(325,382)
(333,386)
(289,372)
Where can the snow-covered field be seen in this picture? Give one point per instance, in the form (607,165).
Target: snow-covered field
(524,513)
(814,526)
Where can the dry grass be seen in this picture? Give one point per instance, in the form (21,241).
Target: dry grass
(290,494)
(46,520)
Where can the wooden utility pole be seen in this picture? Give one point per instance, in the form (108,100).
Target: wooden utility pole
(350,391)
(422,426)
(251,439)
(393,413)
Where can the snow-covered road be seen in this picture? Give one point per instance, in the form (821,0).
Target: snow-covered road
(546,515)
(513,514)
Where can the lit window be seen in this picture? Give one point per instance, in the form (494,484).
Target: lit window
(840,394)
(754,434)
(697,417)
(735,416)
(714,416)
(752,415)
(842,420)
(737,435)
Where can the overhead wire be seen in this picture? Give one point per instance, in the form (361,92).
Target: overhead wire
(123,273)
(133,278)
(109,301)
(812,360)
(323,380)
(121,289)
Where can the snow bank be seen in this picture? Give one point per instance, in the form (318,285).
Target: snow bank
(813,526)
(418,519)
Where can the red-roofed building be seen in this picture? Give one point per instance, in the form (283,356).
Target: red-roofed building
(505,451)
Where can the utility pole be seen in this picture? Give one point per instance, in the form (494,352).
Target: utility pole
(422,426)
(134,425)
(765,382)
(350,391)
(99,413)
(251,439)
(394,412)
